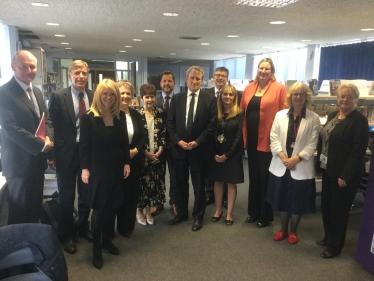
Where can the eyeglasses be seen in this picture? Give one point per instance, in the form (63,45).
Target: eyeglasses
(345,97)
(298,95)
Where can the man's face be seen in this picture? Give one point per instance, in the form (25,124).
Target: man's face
(79,78)
(167,83)
(194,80)
(24,67)
(220,79)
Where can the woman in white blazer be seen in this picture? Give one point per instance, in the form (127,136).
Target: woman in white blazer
(293,139)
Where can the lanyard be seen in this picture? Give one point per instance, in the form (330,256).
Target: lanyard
(296,128)
(333,123)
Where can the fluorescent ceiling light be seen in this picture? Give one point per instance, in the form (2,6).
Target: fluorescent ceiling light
(205,44)
(175,61)
(40,4)
(266,47)
(128,46)
(348,41)
(367,29)
(265,3)
(277,22)
(51,23)
(172,54)
(68,48)
(70,52)
(64,43)
(136,39)
(232,36)
(60,35)
(306,40)
(170,14)
(122,51)
(186,49)
(148,30)
(238,52)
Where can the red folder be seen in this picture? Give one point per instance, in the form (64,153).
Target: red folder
(41,131)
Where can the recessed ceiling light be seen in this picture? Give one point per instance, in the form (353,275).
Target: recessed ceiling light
(40,4)
(306,40)
(128,46)
(68,48)
(186,49)
(51,23)
(64,43)
(277,22)
(232,36)
(367,29)
(238,52)
(136,39)
(266,47)
(170,14)
(265,3)
(122,51)
(70,52)
(60,35)
(219,55)
(172,54)
(148,30)
(205,44)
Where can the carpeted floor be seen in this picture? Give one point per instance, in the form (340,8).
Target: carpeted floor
(219,252)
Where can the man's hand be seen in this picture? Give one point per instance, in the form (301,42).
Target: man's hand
(221,158)
(49,144)
(133,152)
(85,176)
(126,171)
(51,164)
(184,145)
(193,144)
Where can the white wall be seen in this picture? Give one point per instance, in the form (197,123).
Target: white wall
(6,71)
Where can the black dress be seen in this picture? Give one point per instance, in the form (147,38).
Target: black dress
(228,141)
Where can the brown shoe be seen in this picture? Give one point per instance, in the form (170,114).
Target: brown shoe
(173,207)
(156,209)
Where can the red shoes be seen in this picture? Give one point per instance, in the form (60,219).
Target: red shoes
(280,235)
(292,238)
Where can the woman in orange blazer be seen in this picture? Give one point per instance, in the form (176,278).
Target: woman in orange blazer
(261,100)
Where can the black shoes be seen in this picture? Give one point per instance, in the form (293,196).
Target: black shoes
(177,219)
(262,224)
(321,242)
(86,234)
(126,234)
(251,219)
(197,225)
(215,219)
(111,248)
(69,246)
(97,260)
(330,252)
(229,222)
(210,200)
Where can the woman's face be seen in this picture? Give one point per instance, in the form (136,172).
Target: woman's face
(347,100)
(149,100)
(126,95)
(298,98)
(228,97)
(264,72)
(107,98)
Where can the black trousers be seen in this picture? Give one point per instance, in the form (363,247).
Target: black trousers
(68,179)
(25,198)
(336,204)
(197,168)
(258,169)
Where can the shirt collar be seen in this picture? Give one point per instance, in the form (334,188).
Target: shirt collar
(164,95)
(303,112)
(23,85)
(197,92)
(76,92)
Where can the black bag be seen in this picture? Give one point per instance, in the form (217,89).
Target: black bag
(51,214)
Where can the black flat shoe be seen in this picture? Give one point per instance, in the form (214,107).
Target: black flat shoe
(210,200)
(251,219)
(111,248)
(229,222)
(197,225)
(262,224)
(330,253)
(97,260)
(215,219)
(177,219)
(321,242)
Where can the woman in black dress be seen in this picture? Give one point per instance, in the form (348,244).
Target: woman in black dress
(105,162)
(227,165)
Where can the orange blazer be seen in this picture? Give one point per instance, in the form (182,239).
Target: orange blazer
(271,102)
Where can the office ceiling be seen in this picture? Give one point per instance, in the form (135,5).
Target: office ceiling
(107,27)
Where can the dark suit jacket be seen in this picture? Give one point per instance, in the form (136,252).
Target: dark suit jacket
(160,103)
(20,150)
(213,92)
(61,108)
(203,126)
(347,146)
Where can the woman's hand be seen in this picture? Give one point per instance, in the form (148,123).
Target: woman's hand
(221,158)
(126,171)
(291,163)
(85,176)
(152,158)
(341,183)
(159,151)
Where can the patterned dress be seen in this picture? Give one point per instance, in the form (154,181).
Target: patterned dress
(152,176)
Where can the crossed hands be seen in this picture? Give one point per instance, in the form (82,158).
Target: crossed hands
(220,158)
(188,146)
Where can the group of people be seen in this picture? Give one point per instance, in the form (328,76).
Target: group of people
(116,155)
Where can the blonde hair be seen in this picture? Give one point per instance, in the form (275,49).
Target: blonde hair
(301,88)
(97,108)
(350,88)
(235,109)
(272,69)
(126,84)
(78,64)
(196,68)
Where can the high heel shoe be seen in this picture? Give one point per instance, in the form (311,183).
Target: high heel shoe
(142,221)
(150,221)
(97,260)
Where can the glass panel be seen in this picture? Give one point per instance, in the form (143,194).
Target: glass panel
(122,65)
(64,76)
(66,62)
(125,75)
(90,81)
(119,75)
(100,77)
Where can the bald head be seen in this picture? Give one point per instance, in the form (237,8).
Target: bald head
(24,66)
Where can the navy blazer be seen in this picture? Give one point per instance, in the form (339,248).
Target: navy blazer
(61,108)
(203,126)
(20,150)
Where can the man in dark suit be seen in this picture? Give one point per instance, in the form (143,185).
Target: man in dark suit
(191,121)
(163,101)
(66,106)
(23,155)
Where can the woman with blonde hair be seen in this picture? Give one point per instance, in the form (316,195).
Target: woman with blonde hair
(227,165)
(105,162)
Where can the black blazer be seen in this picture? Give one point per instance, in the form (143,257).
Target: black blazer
(234,146)
(20,150)
(203,126)
(347,146)
(160,103)
(212,91)
(61,108)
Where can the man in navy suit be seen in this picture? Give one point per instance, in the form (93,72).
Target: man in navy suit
(66,106)
(23,155)
(191,122)
(163,101)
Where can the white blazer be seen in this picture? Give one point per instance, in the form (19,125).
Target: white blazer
(305,144)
